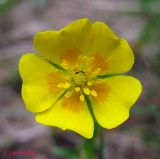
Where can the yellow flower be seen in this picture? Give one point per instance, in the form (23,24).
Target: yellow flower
(76,72)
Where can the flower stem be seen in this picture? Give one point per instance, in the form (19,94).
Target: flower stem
(90,145)
(89,149)
(97,131)
(101,143)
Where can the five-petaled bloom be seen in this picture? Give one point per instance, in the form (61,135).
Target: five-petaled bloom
(78,71)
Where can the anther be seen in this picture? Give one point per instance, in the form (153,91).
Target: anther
(77,89)
(65,64)
(86,91)
(81,97)
(67,85)
(94,93)
(96,71)
(89,83)
(90,60)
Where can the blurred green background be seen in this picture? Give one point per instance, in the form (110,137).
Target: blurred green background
(138,21)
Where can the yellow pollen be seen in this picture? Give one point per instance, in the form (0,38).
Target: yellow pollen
(96,71)
(65,64)
(86,91)
(81,97)
(89,83)
(67,85)
(77,89)
(94,93)
(60,85)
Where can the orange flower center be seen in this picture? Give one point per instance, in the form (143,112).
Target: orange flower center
(82,72)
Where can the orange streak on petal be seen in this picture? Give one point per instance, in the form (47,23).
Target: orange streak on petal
(102,90)
(71,56)
(73,103)
(99,62)
(53,80)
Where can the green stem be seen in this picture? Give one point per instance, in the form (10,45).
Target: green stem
(101,143)
(89,149)
(91,142)
(90,145)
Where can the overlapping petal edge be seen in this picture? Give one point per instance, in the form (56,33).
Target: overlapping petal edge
(47,92)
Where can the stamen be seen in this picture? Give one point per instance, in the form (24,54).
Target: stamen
(96,71)
(68,94)
(81,97)
(94,93)
(77,89)
(65,64)
(67,85)
(89,83)
(90,60)
(60,85)
(86,91)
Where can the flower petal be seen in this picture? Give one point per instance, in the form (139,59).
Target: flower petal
(40,79)
(69,113)
(114,98)
(53,44)
(117,52)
